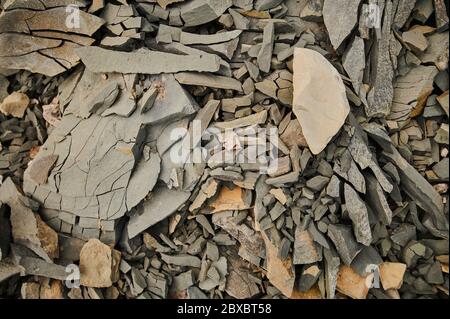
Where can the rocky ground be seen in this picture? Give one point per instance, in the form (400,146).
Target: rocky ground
(333,183)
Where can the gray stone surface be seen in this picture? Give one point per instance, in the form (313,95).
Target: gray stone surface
(199,12)
(162,203)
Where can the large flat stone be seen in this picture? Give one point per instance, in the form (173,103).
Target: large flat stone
(320,116)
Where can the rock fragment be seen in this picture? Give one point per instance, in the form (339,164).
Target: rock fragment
(99,264)
(265,53)
(99,60)
(320,116)
(15,104)
(391,275)
(340,18)
(357,211)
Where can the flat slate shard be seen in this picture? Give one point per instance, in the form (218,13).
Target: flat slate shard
(280,273)
(15,104)
(413,89)
(29,32)
(377,200)
(332,263)
(357,211)
(340,18)
(38,267)
(343,239)
(208,80)
(381,93)
(99,60)
(352,284)
(162,203)
(24,225)
(193,38)
(320,116)
(418,188)
(306,251)
(199,12)
(40,169)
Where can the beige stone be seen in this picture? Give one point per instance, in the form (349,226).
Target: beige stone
(351,284)
(391,275)
(279,194)
(320,102)
(15,104)
(230,199)
(99,264)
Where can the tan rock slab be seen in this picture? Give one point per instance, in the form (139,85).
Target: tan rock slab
(391,275)
(15,104)
(99,264)
(321,113)
(230,199)
(351,284)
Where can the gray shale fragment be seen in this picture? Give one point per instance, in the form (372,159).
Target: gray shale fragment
(162,203)
(192,38)
(418,188)
(199,12)
(265,54)
(144,61)
(381,93)
(343,239)
(208,80)
(357,211)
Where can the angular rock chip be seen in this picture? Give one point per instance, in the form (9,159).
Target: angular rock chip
(24,224)
(380,95)
(320,116)
(15,104)
(306,251)
(357,211)
(343,239)
(265,53)
(41,167)
(354,62)
(198,12)
(391,275)
(230,199)
(192,38)
(418,188)
(208,80)
(353,285)
(162,203)
(99,264)
(239,285)
(340,18)
(377,200)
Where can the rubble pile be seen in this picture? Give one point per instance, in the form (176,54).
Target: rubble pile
(321,127)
